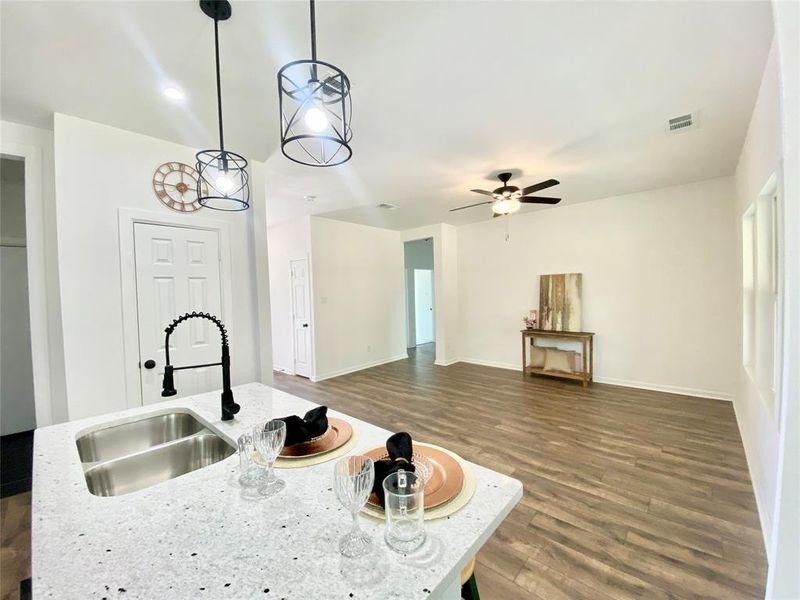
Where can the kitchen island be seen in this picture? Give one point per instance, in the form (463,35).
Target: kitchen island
(199,536)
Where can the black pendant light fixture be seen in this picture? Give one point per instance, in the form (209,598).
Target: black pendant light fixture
(315,107)
(223,182)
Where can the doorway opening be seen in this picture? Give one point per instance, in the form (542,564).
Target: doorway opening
(420,295)
(18,408)
(17,399)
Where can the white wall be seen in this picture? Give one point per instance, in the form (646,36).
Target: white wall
(783,580)
(43,278)
(288,240)
(17,408)
(260,250)
(757,417)
(359,307)
(659,283)
(100,169)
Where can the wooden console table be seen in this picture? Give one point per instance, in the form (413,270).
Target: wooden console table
(587,356)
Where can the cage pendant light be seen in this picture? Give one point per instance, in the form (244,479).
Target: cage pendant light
(223,182)
(315,109)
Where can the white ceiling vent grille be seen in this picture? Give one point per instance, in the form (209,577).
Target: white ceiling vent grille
(387,206)
(682,123)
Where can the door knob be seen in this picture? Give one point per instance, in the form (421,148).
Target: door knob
(149,364)
(305,324)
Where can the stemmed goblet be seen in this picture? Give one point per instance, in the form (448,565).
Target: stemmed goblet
(268,438)
(353,479)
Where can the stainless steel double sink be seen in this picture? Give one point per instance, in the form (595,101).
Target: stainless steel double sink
(133,456)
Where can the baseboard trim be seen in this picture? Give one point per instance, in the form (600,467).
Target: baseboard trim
(656,387)
(489,363)
(446,363)
(283,370)
(764,517)
(361,367)
(669,389)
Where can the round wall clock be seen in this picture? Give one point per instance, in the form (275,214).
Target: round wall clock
(175,184)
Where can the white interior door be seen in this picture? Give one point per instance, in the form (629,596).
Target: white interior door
(177,271)
(423,305)
(301,317)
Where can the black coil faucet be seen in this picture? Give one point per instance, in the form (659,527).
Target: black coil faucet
(229,407)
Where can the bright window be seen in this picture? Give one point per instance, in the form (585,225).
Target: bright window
(761,278)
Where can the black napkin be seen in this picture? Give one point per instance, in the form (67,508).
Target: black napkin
(400,451)
(300,430)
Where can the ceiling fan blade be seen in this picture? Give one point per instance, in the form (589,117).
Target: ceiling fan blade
(495,215)
(471,205)
(539,186)
(484,192)
(539,200)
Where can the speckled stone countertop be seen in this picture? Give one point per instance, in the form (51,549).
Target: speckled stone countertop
(198,536)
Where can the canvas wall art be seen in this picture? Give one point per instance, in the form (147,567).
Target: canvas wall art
(560,302)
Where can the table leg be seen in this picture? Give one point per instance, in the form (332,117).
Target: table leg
(524,355)
(585,364)
(591,359)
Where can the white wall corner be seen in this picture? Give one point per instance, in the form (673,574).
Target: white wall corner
(262,277)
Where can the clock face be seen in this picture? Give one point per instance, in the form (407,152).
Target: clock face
(175,184)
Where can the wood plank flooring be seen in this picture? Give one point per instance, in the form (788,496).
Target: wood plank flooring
(15,544)
(628,493)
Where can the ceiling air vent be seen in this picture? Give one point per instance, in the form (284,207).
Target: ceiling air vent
(682,123)
(387,206)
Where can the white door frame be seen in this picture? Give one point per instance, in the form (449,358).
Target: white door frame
(312,359)
(37,277)
(127,219)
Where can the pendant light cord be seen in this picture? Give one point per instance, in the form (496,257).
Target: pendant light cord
(313,33)
(313,41)
(219,85)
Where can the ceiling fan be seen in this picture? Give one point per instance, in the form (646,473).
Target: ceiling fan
(508,198)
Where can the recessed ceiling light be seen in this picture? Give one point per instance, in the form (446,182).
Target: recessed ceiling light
(174,93)
(310,198)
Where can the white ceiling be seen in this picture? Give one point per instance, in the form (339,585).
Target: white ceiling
(445,94)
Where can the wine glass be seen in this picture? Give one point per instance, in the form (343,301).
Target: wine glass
(353,479)
(268,438)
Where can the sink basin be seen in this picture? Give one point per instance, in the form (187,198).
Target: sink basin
(161,463)
(132,456)
(129,438)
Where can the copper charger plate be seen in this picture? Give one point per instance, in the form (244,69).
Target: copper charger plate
(445,482)
(338,434)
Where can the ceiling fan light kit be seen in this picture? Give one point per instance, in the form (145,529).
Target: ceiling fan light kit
(315,109)
(506,206)
(508,199)
(223,182)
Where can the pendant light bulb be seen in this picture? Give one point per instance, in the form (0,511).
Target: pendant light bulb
(316,120)
(223,183)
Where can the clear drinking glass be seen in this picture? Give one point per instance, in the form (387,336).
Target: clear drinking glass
(404,505)
(268,438)
(252,472)
(353,478)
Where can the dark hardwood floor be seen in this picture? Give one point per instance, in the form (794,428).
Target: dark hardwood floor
(628,493)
